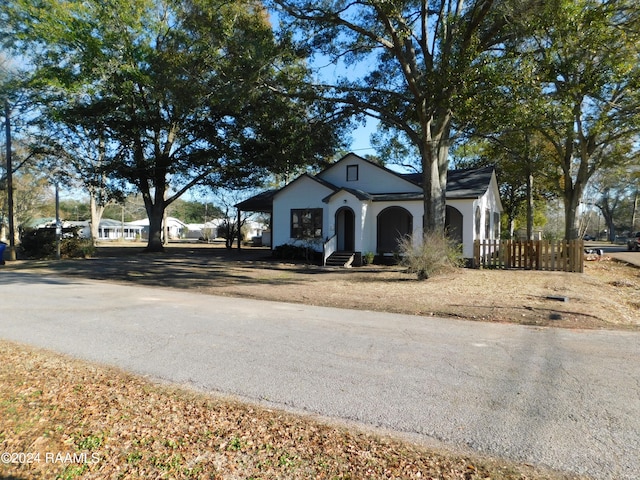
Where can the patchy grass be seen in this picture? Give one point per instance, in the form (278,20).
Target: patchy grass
(85,421)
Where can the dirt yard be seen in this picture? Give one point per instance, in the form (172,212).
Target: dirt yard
(606,296)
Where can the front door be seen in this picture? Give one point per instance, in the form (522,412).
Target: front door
(345,229)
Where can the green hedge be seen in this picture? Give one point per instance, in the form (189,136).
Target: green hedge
(40,243)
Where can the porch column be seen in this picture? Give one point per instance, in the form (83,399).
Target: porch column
(239,234)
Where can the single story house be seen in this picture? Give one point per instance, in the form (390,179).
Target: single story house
(110,229)
(358,206)
(207,230)
(176,228)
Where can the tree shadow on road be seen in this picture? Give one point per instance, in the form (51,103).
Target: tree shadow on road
(184,267)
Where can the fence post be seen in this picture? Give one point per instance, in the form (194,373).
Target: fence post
(562,255)
(476,254)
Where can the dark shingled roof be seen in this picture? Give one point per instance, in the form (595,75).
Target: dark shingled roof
(463,183)
(262,202)
(359,194)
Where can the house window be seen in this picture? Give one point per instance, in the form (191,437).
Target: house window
(487,224)
(352,173)
(306,223)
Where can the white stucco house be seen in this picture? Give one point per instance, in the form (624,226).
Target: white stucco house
(358,206)
(175,227)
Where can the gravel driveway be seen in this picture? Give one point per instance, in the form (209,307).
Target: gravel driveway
(567,399)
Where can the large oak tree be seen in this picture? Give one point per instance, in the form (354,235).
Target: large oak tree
(412,64)
(587,66)
(183,91)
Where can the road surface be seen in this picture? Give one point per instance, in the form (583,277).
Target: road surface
(569,400)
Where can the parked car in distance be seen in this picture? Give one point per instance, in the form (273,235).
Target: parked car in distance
(633,242)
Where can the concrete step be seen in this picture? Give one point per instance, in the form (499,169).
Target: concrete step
(340,259)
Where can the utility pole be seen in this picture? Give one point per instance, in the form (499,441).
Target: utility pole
(58,223)
(12,231)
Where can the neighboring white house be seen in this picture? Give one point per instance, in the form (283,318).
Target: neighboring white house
(207,230)
(358,206)
(108,229)
(175,227)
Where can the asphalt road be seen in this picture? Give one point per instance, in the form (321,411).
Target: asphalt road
(621,253)
(569,400)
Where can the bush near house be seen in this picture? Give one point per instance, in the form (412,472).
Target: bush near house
(296,252)
(436,254)
(38,243)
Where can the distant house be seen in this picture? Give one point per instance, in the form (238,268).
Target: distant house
(203,231)
(358,206)
(175,227)
(110,229)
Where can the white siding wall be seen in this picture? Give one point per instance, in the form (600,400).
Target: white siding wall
(302,193)
(488,205)
(308,193)
(466,208)
(371,178)
(346,199)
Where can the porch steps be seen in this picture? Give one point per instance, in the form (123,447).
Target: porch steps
(341,259)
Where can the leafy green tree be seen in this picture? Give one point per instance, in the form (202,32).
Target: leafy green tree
(523,162)
(615,190)
(194,212)
(183,90)
(77,210)
(586,56)
(410,64)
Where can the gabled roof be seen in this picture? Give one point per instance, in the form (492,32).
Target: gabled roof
(386,170)
(359,194)
(462,183)
(263,202)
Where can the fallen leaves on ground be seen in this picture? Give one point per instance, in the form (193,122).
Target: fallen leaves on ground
(86,421)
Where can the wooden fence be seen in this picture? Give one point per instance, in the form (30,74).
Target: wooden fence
(562,255)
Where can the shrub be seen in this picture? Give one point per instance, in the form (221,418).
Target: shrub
(368,258)
(77,248)
(41,243)
(436,254)
(296,252)
(38,242)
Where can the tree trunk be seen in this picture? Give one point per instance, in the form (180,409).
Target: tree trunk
(96,216)
(612,230)
(530,206)
(434,200)
(634,211)
(155,211)
(435,162)
(156,214)
(571,201)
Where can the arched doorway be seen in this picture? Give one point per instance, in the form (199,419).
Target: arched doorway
(453,224)
(393,224)
(345,230)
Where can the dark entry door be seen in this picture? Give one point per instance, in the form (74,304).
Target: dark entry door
(345,230)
